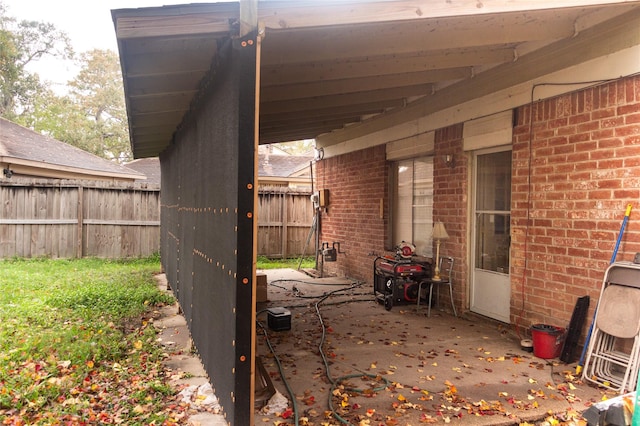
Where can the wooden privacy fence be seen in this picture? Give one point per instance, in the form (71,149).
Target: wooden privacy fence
(285,218)
(66,219)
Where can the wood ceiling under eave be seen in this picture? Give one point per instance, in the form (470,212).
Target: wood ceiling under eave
(165,52)
(318,79)
(329,65)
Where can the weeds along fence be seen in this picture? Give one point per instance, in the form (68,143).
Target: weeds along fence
(69,219)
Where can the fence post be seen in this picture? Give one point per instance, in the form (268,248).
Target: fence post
(80,215)
(285,220)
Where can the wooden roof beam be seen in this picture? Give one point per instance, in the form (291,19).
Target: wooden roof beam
(176,20)
(320,45)
(309,13)
(382,95)
(384,65)
(355,85)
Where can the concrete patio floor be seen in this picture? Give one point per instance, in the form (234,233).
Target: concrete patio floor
(408,369)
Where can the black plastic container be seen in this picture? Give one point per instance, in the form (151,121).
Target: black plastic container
(279,319)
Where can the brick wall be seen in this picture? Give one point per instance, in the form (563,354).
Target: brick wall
(357,183)
(450,195)
(567,203)
(574,172)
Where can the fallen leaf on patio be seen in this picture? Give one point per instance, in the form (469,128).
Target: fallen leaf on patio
(552,421)
(425,418)
(533,381)
(401,398)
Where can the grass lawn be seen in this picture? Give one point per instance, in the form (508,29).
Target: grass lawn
(266,263)
(76,346)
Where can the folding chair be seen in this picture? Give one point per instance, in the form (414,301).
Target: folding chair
(614,347)
(446,274)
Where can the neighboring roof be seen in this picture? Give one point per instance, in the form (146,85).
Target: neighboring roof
(278,164)
(281,165)
(150,167)
(30,153)
(274,162)
(329,65)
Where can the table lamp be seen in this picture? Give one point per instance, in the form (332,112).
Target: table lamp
(439,233)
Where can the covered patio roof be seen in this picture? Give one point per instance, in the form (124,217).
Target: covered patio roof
(328,65)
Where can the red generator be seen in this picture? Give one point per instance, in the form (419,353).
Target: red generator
(395,280)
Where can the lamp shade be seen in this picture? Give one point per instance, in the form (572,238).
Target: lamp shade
(439,232)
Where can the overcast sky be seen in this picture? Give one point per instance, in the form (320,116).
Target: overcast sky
(87,22)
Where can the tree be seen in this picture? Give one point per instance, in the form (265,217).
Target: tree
(21,43)
(91,115)
(97,90)
(299,147)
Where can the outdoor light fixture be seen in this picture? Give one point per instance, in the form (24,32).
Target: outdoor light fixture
(7,173)
(439,233)
(448,161)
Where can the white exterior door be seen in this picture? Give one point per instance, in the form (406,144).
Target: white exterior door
(490,282)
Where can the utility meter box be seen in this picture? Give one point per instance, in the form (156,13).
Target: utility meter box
(323,198)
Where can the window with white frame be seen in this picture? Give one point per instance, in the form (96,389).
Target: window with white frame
(412,190)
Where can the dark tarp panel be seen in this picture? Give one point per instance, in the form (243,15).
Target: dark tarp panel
(207,224)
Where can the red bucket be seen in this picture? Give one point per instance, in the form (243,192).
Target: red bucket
(547,340)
